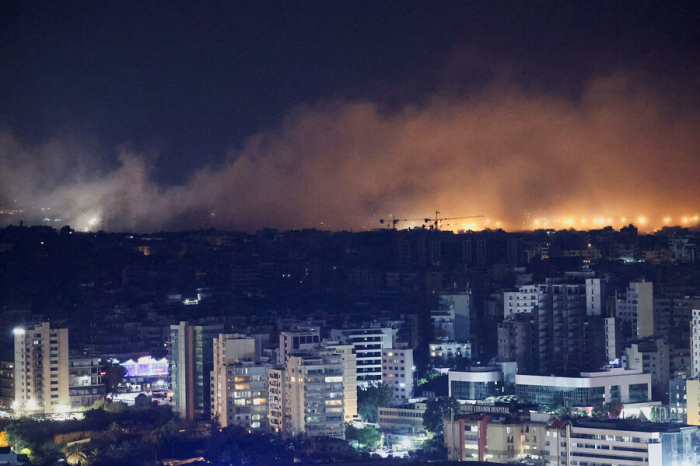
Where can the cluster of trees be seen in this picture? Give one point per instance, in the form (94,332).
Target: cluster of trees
(113,434)
(367,438)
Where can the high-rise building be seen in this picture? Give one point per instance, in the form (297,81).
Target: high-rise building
(595,296)
(191,363)
(559,318)
(397,373)
(239,385)
(277,402)
(515,341)
(459,305)
(313,391)
(695,344)
(41,370)
(296,340)
(368,344)
(349,359)
(634,310)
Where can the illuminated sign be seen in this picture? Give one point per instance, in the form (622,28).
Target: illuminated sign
(146,367)
(468,408)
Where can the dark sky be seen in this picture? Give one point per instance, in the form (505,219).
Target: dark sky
(191,81)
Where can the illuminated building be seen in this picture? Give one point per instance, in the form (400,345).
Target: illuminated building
(616,442)
(239,386)
(368,344)
(442,352)
(7,384)
(695,343)
(678,406)
(349,359)
(41,370)
(314,394)
(405,419)
(277,405)
(590,389)
(397,373)
(191,363)
(522,301)
(86,384)
(147,373)
(500,438)
(692,401)
(482,382)
(240,394)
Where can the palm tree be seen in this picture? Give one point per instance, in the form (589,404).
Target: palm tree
(113,431)
(94,456)
(75,454)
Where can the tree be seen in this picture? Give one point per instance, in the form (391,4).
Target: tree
(75,454)
(370,399)
(612,409)
(368,437)
(437,409)
(114,374)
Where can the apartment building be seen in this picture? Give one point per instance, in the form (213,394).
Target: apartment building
(368,344)
(397,373)
(634,310)
(313,391)
(349,360)
(41,370)
(191,363)
(239,385)
(86,382)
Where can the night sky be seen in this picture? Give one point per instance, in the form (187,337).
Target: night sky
(172,115)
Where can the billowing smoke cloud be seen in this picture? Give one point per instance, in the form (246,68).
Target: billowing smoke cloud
(618,150)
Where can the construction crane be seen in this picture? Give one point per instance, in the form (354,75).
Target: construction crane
(391,223)
(435,222)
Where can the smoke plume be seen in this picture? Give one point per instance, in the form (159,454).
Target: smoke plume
(619,150)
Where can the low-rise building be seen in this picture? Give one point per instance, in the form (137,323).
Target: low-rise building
(590,389)
(443,351)
(481,382)
(585,441)
(494,438)
(86,383)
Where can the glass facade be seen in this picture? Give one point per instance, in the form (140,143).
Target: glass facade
(615,393)
(547,395)
(476,390)
(639,393)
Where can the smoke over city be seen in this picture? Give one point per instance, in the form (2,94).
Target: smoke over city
(619,151)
